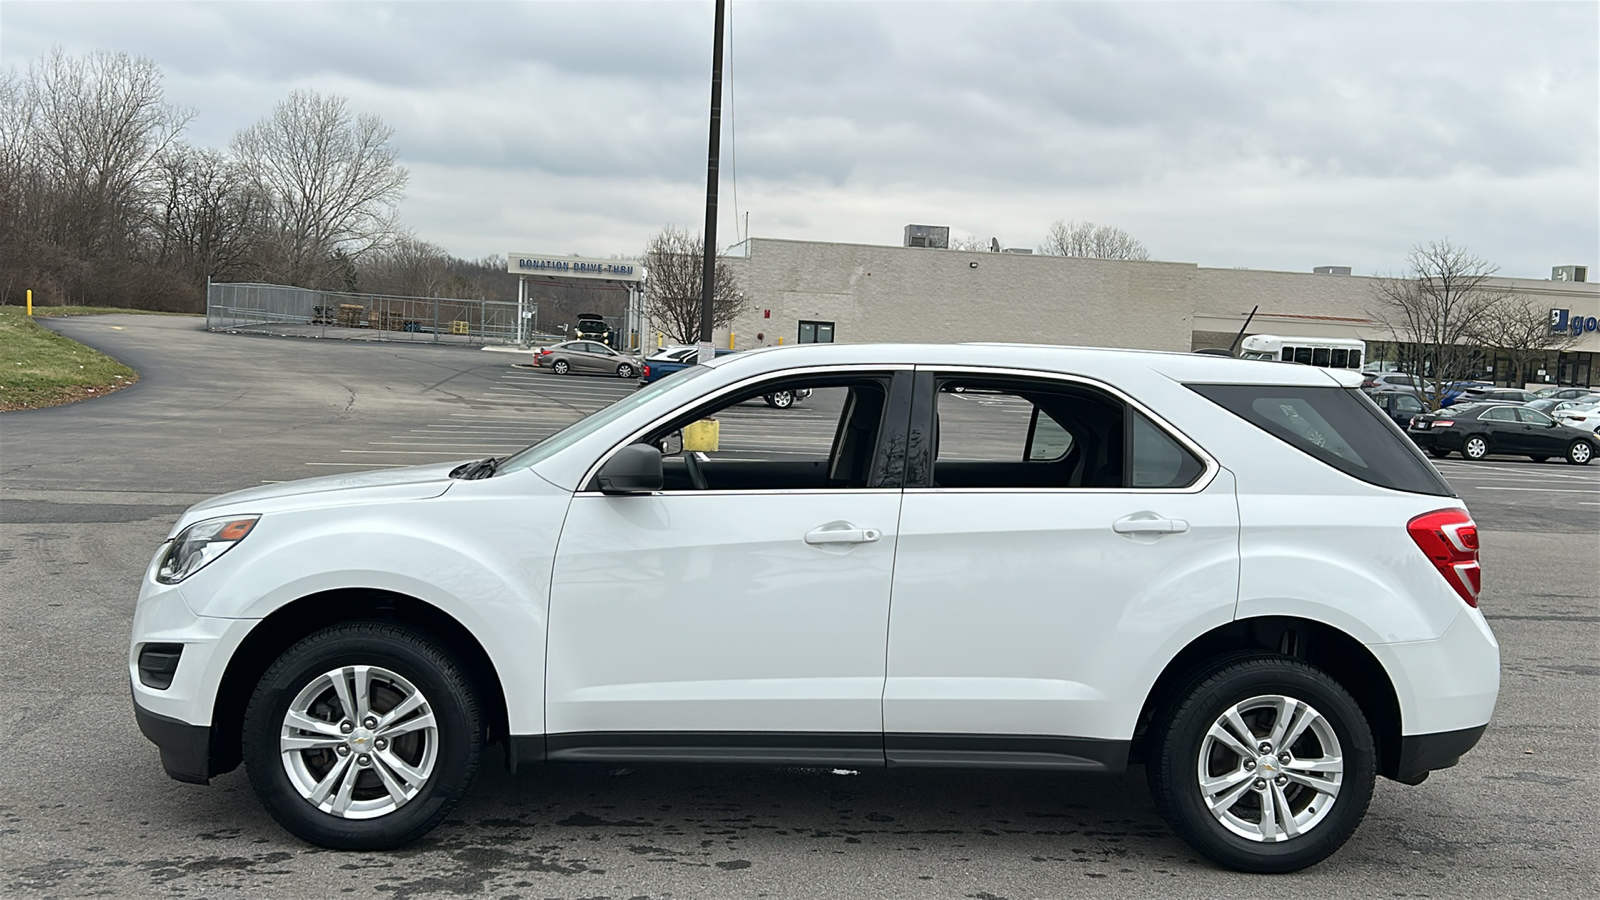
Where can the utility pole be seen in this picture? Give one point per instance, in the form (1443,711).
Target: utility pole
(708,279)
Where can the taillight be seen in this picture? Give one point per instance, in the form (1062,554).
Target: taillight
(646,371)
(1443,423)
(1449,538)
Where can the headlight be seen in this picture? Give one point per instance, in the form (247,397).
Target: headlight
(201,543)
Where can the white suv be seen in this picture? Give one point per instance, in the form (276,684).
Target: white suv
(1239,574)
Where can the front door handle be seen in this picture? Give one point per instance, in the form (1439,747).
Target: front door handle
(842,533)
(1148,523)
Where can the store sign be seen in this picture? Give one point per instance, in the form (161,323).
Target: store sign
(1562,320)
(574,267)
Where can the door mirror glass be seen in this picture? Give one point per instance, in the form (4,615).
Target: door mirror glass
(635,469)
(671,444)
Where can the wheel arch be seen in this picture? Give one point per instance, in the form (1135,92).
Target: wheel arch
(300,618)
(1343,657)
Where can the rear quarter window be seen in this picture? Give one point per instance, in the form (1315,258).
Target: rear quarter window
(1337,426)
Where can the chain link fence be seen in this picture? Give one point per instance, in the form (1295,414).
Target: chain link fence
(300,312)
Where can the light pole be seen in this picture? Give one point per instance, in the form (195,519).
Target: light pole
(708,269)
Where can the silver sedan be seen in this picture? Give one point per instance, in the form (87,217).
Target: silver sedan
(591,357)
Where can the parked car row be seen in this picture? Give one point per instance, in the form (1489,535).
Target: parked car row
(676,359)
(1478,421)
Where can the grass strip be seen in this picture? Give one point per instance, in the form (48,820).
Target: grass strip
(40,368)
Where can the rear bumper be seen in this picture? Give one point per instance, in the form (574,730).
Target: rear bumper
(1422,753)
(185,748)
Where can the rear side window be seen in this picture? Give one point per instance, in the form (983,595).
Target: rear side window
(1335,425)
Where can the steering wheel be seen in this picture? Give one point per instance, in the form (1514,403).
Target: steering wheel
(691,462)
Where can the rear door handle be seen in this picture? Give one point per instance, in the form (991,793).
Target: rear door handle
(1148,523)
(842,533)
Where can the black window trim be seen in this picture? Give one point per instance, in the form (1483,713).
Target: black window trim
(919,460)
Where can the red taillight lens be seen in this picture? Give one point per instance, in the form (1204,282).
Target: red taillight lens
(1443,423)
(646,371)
(1449,538)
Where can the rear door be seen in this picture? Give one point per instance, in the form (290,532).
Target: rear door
(1052,538)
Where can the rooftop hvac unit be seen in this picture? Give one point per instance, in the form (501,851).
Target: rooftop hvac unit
(1569,273)
(1022,251)
(928,236)
(1331,270)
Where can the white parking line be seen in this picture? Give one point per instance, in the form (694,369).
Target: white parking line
(1538,490)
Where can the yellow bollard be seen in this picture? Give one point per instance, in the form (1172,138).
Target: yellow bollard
(30,302)
(730,340)
(780,342)
(661,340)
(703,436)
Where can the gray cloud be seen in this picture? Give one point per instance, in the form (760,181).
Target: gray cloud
(1275,136)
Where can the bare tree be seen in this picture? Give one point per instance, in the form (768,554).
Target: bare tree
(972,242)
(674,261)
(411,268)
(80,137)
(1441,309)
(1519,329)
(333,182)
(206,215)
(1088,240)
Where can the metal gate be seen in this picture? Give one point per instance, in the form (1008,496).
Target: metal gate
(301,312)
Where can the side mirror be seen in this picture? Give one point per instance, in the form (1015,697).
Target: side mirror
(635,469)
(671,444)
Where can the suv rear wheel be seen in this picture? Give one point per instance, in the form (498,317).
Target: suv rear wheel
(362,736)
(1265,764)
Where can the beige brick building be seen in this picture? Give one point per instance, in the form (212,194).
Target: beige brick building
(803,291)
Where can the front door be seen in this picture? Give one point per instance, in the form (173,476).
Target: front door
(1040,569)
(741,612)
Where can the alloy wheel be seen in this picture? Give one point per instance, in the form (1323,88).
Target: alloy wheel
(359,742)
(1270,768)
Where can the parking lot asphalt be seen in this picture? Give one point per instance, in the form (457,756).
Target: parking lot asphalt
(89,490)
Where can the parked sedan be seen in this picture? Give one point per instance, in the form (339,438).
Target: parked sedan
(1582,416)
(1560,393)
(590,357)
(1503,395)
(1478,430)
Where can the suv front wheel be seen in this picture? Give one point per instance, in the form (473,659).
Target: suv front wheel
(362,736)
(1264,764)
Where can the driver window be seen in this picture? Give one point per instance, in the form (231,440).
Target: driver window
(789,435)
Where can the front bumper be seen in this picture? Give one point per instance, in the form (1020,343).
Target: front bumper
(185,748)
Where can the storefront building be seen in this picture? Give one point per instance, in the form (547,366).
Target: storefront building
(804,291)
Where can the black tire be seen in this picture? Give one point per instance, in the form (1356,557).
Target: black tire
(1475,447)
(392,650)
(1180,733)
(1438,452)
(625,371)
(561,367)
(780,399)
(1579,452)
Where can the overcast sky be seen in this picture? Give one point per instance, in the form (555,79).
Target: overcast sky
(1270,136)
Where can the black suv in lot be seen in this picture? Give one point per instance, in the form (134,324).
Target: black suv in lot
(1478,430)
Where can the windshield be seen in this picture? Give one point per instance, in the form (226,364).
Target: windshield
(586,426)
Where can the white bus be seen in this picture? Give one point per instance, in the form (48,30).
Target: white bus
(1328,353)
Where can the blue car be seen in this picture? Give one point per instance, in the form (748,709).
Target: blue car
(676,359)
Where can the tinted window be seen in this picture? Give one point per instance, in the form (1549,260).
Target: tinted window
(1158,460)
(1302,355)
(1340,358)
(1339,427)
(1012,433)
(1355,359)
(1319,356)
(1407,403)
